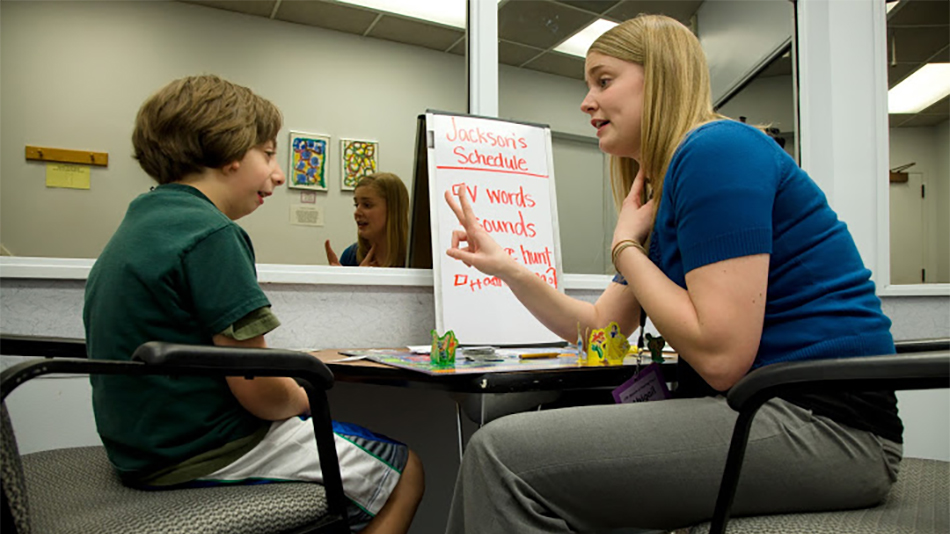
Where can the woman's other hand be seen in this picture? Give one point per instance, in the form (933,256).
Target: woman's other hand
(481,251)
(635,216)
(370,259)
(332,259)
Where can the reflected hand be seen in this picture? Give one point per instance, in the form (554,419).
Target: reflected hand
(331,256)
(370,259)
(635,216)
(481,251)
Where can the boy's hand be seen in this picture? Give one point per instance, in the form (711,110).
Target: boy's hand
(332,259)
(271,398)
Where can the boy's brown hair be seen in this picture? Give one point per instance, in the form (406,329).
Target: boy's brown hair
(200,122)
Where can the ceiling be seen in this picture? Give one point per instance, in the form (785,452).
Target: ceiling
(528,30)
(918,32)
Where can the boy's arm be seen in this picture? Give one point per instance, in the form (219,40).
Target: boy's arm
(267,397)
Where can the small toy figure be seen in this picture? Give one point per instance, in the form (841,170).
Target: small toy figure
(656,344)
(442,353)
(579,348)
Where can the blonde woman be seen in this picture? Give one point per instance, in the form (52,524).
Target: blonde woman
(381,204)
(740,262)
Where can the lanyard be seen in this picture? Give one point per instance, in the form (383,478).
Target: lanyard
(643,323)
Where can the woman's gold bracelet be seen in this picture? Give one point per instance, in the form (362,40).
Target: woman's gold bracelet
(619,247)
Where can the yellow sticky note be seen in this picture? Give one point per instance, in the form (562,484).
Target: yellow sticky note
(68,176)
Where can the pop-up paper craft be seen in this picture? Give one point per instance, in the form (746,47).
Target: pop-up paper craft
(443,349)
(606,346)
(617,345)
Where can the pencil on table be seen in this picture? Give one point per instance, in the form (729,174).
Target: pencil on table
(539,355)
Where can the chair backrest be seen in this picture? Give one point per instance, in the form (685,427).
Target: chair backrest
(14,485)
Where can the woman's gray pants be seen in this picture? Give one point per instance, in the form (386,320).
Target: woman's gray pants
(657,465)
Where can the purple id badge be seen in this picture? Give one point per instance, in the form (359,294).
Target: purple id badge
(647,385)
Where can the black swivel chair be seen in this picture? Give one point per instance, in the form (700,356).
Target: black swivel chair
(918,503)
(76,490)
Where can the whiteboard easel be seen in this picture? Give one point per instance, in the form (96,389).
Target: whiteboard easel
(508,170)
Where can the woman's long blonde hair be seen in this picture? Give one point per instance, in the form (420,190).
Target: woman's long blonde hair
(391,189)
(676,96)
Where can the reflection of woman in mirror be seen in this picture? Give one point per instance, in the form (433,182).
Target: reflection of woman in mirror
(741,263)
(382,224)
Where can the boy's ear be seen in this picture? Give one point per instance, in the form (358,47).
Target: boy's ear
(232,167)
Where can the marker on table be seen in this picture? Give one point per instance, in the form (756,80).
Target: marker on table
(539,355)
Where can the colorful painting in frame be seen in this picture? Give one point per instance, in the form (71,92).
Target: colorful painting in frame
(358,158)
(308,161)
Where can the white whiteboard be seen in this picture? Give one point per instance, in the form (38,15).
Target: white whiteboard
(508,170)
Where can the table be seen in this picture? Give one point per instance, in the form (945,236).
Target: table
(368,372)
(560,379)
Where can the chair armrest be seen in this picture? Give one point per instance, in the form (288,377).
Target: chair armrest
(169,359)
(924,370)
(928,370)
(243,361)
(922,345)
(45,346)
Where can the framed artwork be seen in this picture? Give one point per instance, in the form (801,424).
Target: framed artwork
(358,158)
(308,161)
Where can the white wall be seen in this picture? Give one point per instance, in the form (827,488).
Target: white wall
(765,101)
(923,147)
(768,101)
(942,194)
(531,96)
(739,36)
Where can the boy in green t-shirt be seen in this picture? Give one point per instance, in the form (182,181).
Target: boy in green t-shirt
(179,269)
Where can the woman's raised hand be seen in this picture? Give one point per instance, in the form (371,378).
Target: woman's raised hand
(332,259)
(370,259)
(481,251)
(635,216)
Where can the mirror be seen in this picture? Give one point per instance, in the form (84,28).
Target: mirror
(75,73)
(333,69)
(918,33)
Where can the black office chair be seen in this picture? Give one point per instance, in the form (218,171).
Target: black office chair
(919,502)
(76,490)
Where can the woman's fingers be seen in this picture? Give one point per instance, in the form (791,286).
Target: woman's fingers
(332,258)
(464,256)
(458,236)
(450,200)
(466,206)
(636,189)
(462,208)
(370,259)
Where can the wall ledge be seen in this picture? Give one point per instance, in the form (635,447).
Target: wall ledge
(15,267)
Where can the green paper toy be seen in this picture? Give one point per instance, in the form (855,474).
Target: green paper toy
(442,353)
(655,344)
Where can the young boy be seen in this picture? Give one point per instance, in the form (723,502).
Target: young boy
(179,269)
